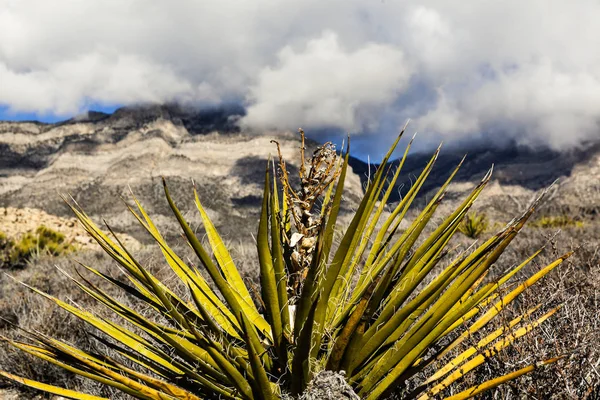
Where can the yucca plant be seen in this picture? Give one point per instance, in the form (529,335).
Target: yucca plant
(366,305)
(473,225)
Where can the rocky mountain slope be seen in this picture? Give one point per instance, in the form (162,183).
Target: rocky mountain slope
(99,158)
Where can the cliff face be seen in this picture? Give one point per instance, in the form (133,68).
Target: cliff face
(99,159)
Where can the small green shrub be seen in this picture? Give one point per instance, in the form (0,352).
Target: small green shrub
(556,221)
(32,244)
(473,225)
(6,245)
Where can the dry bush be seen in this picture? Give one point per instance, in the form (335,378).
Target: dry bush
(20,306)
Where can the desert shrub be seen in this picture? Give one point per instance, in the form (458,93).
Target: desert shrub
(32,244)
(473,225)
(6,245)
(371,306)
(557,221)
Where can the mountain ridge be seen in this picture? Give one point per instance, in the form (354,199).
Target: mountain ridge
(99,161)
(98,157)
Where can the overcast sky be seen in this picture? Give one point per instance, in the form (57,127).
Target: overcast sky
(511,69)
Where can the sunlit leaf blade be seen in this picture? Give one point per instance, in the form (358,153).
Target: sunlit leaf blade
(119,372)
(186,349)
(504,301)
(347,332)
(301,360)
(279,263)
(70,394)
(235,375)
(389,318)
(484,355)
(98,373)
(366,238)
(424,247)
(224,259)
(337,274)
(262,386)
(335,206)
(310,288)
(268,279)
(459,359)
(492,383)
(402,319)
(423,333)
(488,298)
(110,247)
(221,283)
(197,283)
(396,216)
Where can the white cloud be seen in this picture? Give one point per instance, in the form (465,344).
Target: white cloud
(525,70)
(326,85)
(65,86)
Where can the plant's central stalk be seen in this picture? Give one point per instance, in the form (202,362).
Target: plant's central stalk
(304,209)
